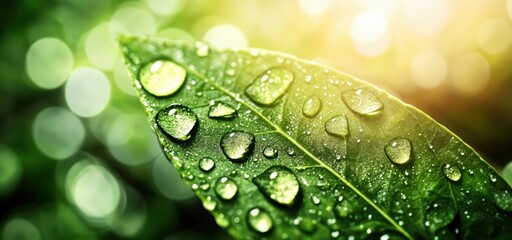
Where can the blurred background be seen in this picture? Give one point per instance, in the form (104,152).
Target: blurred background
(79,161)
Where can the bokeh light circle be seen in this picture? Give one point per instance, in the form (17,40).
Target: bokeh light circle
(122,79)
(429,69)
(509,8)
(19,228)
(57,132)
(100,48)
(426,17)
(168,181)
(93,190)
(225,36)
(10,169)
(494,35)
(470,73)
(369,32)
(130,19)
(314,7)
(166,8)
(49,62)
(87,91)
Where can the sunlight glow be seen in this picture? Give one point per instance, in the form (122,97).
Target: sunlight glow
(429,69)
(369,33)
(470,73)
(426,17)
(494,35)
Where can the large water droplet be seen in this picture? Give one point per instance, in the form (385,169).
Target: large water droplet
(312,106)
(260,220)
(206,164)
(202,50)
(221,110)
(343,208)
(399,150)
(362,101)
(226,188)
(278,183)
(237,145)
(337,126)
(504,201)
(162,78)
(452,172)
(270,152)
(177,121)
(271,85)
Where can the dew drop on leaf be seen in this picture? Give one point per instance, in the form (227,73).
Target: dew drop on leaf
(260,220)
(312,106)
(315,200)
(278,183)
(452,172)
(209,204)
(343,208)
(162,78)
(202,50)
(504,200)
(222,220)
(206,164)
(399,150)
(221,110)
(226,188)
(270,152)
(337,126)
(237,145)
(177,121)
(291,152)
(306,225)
(362,101)
(271,85)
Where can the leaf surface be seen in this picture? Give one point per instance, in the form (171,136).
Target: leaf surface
(277,147)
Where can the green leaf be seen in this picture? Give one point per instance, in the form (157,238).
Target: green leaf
(278,147)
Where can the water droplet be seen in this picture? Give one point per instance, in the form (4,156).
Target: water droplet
(492,178)
(278,183)
(222,220)
(260,220)
(362,101)
(337,126)
(237,145)
(221,110)
(315,200)
(209,204)
(271,85)
(162,78)
(202,50)
(206,164)
(177,121)
(312,106)
(452,172)
(399,150)
(226,188)
(270,152)
(343,208)
(504,201)
(335,234)
(291,152)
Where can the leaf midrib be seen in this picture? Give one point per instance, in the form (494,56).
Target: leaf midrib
(298,145)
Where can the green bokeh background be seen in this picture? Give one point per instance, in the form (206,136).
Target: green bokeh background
(149,201)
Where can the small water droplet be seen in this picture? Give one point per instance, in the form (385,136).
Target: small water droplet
(343,208)
(337,126)
(270,152)
(291,152)
(312,106)
(206,164)
(230,72)
(226,188)
(307,225)
(362,101)
(271,85)
(399,150)
(237,145)
(278,183)
(162,78)
(177,121)
(222,220)
(222,110)
(209,204)
(504,200)
(315,200)
(202,50)
(260,220)
(492,178)
(335,234)
(452,172)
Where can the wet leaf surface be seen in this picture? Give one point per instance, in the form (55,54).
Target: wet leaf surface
(292,149)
